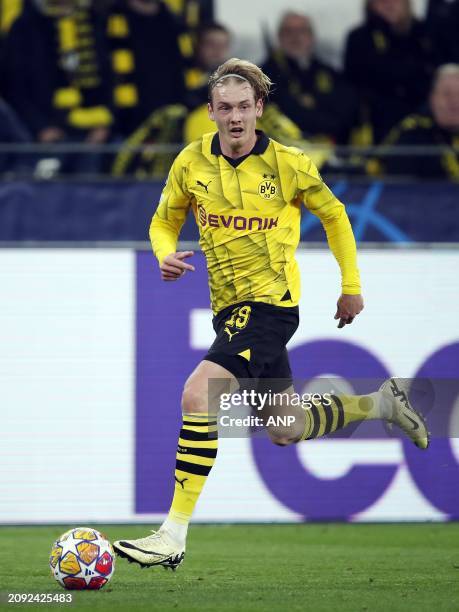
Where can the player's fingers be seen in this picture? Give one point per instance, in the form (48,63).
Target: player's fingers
(188,267)
(170,266)
(345,320)
(184,254)
(170,276)
(171,269)
(181,265)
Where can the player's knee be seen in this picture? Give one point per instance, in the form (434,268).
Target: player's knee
(281,438)
(193,400)
(287,433)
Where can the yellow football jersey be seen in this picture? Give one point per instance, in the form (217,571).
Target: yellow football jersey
(248,213)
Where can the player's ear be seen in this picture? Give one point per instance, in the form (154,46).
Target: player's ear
(259,108)
(210,111)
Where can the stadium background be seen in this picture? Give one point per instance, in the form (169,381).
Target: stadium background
(93,347)
(339,17)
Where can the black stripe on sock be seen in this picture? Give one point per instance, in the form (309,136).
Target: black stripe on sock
(316,420)
(211,453)
(328,417)
(339,405)
(192,468)
(201,424)
(187,434)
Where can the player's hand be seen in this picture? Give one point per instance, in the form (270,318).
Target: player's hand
(348,307)
(173,267)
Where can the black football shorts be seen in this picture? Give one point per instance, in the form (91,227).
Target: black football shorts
(251,340)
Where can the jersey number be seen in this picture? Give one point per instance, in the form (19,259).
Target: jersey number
(239,317)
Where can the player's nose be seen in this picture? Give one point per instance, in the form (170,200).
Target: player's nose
(235,115)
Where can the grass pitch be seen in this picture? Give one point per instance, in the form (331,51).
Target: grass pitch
(316,567)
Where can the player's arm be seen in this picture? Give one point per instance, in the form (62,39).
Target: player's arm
(321,202)
(167,222)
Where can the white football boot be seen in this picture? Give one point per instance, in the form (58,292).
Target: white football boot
(156,549)
(402,414)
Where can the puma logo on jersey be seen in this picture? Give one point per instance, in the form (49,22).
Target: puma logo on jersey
(206,187)
(180,481)
(230,334)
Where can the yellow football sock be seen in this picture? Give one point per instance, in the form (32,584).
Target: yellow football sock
(334,412)
(196,453)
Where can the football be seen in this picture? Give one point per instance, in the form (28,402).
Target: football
(82,558)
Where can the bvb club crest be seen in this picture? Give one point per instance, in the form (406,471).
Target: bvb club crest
(267,188)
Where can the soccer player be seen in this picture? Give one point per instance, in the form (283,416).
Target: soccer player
(246,192)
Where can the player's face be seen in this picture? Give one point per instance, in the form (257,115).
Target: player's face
(235,112)
(445,102)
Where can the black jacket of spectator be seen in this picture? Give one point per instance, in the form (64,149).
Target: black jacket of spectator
(147,63)
(391,71)
(13,131)
(193,12)
(421,130)
(316,98)
(443,21)
(54,80)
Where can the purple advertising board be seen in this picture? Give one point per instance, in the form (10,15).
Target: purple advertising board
(165,358)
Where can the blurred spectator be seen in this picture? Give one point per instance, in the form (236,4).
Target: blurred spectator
(189,121)
(177,122)
(437,126)
(192,14)
(146,60)
(162,129)
(213,47)
(309,92)
(390,59)
(443,21)
(56,77)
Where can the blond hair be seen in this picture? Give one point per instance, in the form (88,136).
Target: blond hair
(238,69)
